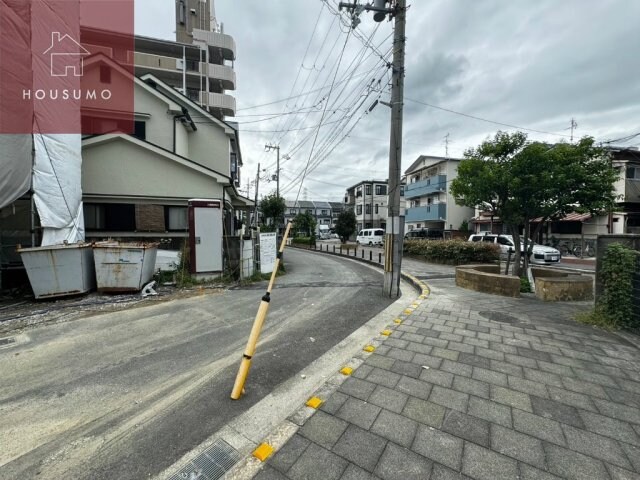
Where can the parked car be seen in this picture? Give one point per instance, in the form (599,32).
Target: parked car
(370,236)
(540,254)
(424,234)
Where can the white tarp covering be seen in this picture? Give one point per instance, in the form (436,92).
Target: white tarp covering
(56,165)
(57,187)
(15,159)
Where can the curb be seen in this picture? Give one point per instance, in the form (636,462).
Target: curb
(419,285)
(251,464)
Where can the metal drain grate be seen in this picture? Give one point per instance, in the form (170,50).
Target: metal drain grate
(211,464)
(7,341)
(498,317)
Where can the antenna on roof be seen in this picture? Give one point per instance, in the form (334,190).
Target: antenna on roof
(446,146)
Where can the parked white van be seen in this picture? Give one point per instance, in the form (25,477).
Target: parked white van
(370,236)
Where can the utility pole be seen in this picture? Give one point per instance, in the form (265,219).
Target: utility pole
(573,126)
(268,148)
(255,214)
(395,223)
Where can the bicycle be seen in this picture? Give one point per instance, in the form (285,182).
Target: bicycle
(589,251)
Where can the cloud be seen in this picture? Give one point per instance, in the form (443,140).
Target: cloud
(532,64)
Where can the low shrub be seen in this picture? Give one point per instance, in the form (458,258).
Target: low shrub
(614,308)
(301,240)
(455,252)
(525,285)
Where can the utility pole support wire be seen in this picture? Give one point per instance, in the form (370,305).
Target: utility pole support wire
(250,350)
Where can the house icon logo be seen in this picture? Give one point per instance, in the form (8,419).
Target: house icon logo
(67,56)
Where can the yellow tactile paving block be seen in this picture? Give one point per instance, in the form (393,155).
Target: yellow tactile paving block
(369,348)
(346,371)
(263,452)
(314,402)
(386,333)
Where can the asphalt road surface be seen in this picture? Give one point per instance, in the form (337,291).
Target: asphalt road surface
(124,395)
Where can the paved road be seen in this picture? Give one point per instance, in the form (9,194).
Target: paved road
(124,395)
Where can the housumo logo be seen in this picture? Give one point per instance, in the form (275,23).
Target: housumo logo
(66,59)
(66,67)
(66,56)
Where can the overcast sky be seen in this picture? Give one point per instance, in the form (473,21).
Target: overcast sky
(517,62)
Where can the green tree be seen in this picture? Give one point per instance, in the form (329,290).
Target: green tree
(305,222)
(272,208)
(346,224)
(519,181)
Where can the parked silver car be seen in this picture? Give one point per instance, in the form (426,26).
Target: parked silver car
(540,254)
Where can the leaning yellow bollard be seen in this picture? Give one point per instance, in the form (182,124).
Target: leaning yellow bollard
(250,350)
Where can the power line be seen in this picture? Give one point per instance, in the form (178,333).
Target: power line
(344,47)
(485,119)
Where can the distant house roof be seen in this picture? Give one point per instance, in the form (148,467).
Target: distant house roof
(336,205)
(432,160)
(305,204)
(367,181)
(571,217)
(322,205)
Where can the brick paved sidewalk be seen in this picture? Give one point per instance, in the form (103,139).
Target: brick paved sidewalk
(478,386)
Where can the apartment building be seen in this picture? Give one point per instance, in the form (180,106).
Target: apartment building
(369,199)
(325,213)
(429,203)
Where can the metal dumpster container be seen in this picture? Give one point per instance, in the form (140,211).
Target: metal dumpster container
(59,270)
(124,266)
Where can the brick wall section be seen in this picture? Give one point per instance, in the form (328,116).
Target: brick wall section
(150,218)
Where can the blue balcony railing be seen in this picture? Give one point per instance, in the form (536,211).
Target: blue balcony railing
(437,183)
(437,211)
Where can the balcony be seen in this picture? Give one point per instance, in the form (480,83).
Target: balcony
(437,183)
(219,101)
(225,43)
(172,67)
(434,212)
(223,73)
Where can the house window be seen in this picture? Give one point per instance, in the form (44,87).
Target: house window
(292,211)
(309,211)
(105,74)
(381,189)
(376,208)
(93,216)
(182,12)
(177,218)
(402,190)
(367,189)
(110,217)
(367,209)
(359,210)
(367,225)
(324,212)
(359,192)
(140,130)
(633,173)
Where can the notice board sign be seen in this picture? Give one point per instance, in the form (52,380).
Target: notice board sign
(268,252)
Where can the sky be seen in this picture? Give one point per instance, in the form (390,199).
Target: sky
(531,65)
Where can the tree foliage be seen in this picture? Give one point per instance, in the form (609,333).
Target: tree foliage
(520,181)
(272,207)
(346,224)
(305,222)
